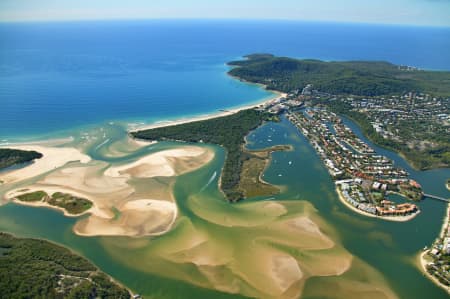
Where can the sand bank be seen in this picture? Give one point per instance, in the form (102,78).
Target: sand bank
(165,163)
(142,217)
(122,148)
(254,263)
(120,208)
(53,157)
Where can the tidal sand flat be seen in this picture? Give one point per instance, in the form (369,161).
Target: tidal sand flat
(264,249)
(166,163)
(272,254)
(120,206)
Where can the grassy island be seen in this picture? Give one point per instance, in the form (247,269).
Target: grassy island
(227,131)
(32,268)
(10,157)
(72,204)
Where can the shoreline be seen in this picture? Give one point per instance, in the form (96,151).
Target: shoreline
(11,196)
(41,204)
(445,221)
(421,256)
(220,113)
(52,158)
(422,265)
(393,218)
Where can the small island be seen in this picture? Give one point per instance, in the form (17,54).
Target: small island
(39,269)
(70,204)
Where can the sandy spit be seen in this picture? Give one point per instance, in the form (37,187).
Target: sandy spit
(53,157)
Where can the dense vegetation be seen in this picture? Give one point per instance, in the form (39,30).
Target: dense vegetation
(251,183)
(72,204)
(32,268)
(335,77)
(32,196)
(420,159)
(10,157)
(227,131)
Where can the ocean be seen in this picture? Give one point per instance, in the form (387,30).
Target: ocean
(63,75)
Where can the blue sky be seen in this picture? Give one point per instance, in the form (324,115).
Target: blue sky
(411,12)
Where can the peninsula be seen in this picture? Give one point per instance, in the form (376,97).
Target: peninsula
(364,179)
(401,108)
(10,157)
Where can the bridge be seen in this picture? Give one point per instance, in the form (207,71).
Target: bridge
(436,197)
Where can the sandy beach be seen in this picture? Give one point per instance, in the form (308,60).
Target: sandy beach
(225,112)
(388,218)
(445,221)
(53,157)
(142,217)
(422,262)
(163,163)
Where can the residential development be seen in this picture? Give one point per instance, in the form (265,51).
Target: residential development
(436,260)
(363,178)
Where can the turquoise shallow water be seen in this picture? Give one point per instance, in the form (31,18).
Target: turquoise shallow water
(388,247)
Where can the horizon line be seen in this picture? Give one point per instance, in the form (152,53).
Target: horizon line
(118,19)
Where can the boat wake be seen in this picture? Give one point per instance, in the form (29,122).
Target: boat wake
(209,182)
(102,144)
